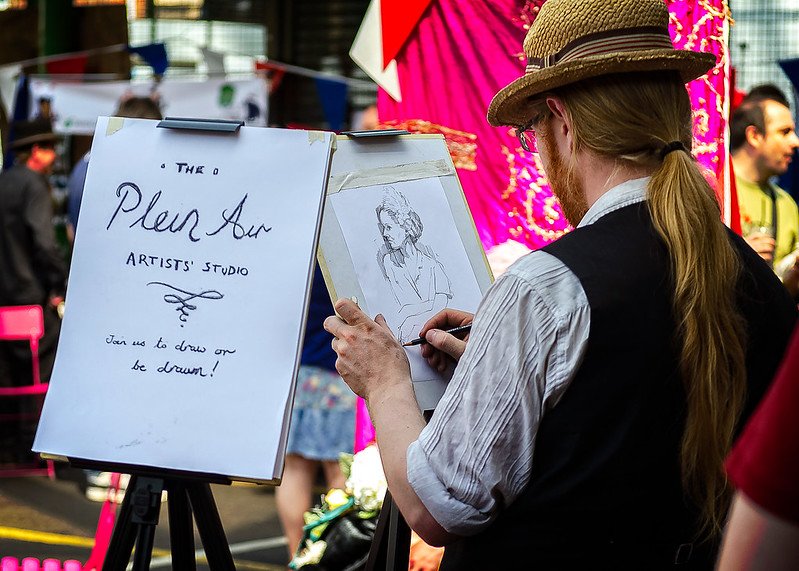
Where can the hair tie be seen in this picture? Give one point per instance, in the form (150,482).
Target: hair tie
(673,146)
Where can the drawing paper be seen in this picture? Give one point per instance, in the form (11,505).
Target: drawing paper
(408,256)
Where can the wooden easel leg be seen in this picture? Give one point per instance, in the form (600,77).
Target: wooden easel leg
(210,527)
(124,536)
(181,531)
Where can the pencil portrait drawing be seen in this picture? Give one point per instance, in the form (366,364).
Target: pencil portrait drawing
(417,278)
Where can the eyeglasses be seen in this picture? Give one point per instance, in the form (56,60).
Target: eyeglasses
(526,133)
(527,139)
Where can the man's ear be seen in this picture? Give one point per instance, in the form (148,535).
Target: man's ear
(753,136)
(561,123)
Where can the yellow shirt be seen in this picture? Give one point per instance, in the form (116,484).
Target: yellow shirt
(756,212)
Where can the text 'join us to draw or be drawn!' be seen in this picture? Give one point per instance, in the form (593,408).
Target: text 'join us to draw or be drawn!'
(134,210)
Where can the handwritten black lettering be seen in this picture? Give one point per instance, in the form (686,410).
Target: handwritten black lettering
(174,227)
(139,366)
(146,260)
(238,231)
(221,351)
(128,186)
(139,343)
(168,367)
(183,347)
(155,219)
(160,343)
(114,340)
(227,270)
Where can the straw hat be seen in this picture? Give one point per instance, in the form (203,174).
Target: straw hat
(31,132)
(572,40)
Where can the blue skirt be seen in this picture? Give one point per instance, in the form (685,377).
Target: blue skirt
(323,417)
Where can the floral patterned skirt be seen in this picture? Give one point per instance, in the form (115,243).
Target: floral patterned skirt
(323,417)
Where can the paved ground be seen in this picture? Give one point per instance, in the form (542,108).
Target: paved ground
(52,518)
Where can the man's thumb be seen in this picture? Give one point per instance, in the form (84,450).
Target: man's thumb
(445,342)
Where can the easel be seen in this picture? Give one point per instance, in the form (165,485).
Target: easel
(139,516)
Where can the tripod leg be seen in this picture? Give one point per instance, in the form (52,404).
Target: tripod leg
(146,501)
(181,532)
(124,536)
(210,527)
(144,548)
(392,541)
(398,549)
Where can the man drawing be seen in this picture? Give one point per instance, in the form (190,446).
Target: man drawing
(592,406)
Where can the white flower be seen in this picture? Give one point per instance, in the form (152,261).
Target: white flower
(367,482)
(310,555)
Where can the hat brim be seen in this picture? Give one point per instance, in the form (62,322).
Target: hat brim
(33,139)
(509,106)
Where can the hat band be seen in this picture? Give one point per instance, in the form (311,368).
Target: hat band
(613,41)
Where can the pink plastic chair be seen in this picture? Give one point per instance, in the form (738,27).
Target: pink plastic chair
(20,323)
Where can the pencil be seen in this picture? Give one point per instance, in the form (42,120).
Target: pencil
(453,331)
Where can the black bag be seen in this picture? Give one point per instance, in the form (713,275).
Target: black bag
(348,539)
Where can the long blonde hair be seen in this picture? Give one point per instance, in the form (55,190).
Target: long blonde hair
(631,120)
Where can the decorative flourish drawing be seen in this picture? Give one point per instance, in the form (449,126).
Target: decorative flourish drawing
(182,300)
(412,269)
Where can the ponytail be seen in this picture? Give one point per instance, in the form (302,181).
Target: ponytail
(656,132)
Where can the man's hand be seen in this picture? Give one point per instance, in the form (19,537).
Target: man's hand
(790,279)
(763,244)
(442,348)
(370,358)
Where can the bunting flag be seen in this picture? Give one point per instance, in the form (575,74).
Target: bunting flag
(20,111)
(398,18)
(71,65)
(367,52)
(333,97)
(274,76)
(214,61)
(8,84)
(154,55)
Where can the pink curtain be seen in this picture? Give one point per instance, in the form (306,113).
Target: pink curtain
(463,51)
(701,25)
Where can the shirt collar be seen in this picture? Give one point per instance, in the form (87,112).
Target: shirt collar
(619,196)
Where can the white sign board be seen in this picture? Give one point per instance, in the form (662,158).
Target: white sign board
(186,300)
(76,106)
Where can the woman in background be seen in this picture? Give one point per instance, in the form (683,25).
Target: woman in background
(322,421)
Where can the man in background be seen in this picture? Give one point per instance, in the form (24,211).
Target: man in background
(32,267)
(762,141)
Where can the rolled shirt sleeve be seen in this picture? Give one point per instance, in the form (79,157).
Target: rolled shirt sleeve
(528,338)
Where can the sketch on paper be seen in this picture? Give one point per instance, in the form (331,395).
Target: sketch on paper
(417,278)
(408,256)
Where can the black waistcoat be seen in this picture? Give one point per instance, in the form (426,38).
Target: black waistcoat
(605,487)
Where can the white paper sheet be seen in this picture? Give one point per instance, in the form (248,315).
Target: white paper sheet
(186,298)
(430,274)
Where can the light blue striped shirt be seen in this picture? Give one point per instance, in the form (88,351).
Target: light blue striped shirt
(527,342)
